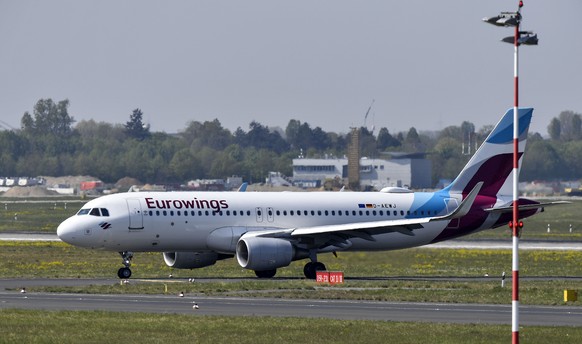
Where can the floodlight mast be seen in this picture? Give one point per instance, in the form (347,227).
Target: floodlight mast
(509,19)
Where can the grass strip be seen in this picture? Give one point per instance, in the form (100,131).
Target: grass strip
(24,326)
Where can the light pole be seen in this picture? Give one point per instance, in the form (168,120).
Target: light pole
(509,19)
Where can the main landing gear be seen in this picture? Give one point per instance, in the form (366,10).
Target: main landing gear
(125,272)
(310,270)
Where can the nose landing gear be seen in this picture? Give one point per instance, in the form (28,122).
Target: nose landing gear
(125,272)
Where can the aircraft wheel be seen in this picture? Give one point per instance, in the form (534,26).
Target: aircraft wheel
(266,273)
(124,273)
(310,269)
(320,266)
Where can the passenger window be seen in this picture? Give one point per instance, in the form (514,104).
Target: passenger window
(104,212)
(95,212)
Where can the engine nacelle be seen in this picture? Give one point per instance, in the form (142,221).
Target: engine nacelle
(190,260)
(260,254)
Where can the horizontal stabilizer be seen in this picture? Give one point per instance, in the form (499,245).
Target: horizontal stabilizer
(509,209)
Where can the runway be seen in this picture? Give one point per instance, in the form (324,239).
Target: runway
(336,309)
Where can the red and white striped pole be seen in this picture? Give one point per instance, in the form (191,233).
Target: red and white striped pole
(515,224)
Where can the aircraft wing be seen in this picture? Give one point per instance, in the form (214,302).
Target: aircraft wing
(366,229)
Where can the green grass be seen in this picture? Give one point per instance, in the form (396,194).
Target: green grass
(20,326)
(33,215)
(559,218)
(369,276)
(57,259)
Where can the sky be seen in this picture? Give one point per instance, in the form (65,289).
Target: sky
(424,64)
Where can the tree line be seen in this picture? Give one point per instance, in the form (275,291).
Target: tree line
(51,143)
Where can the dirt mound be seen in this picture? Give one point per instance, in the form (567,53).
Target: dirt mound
(126,182)
(73,181)
(29,191)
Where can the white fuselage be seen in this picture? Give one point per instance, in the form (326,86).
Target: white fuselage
(185,221)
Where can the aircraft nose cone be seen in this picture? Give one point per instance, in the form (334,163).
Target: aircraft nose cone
(66,232)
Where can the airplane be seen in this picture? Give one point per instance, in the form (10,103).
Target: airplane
(266,231)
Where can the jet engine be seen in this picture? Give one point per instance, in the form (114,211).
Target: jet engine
(260,254)
(190,260)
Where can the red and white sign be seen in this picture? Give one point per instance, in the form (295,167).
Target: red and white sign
(331,277)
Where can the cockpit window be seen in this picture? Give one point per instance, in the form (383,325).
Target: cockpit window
(95,212)
(104,212)
(84,211)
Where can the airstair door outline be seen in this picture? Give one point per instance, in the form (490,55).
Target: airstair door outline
(259,214)
(452,204)
(135,214)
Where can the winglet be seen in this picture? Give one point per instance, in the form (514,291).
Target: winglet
(243,187)
(464,207)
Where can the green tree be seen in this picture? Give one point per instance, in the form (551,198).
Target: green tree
(210,134)
(541,162)
(386,140)
(49,119)
(555,129)
(135,127)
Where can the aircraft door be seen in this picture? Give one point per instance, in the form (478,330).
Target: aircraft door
(452,204)
(259,214)
(135,214)
(270,214)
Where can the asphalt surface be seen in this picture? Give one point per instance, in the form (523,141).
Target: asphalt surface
(12,297)
(353,310)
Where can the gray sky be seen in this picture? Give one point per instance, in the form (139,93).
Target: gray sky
(427,64)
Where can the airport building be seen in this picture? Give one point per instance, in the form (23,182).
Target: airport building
(402,170)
